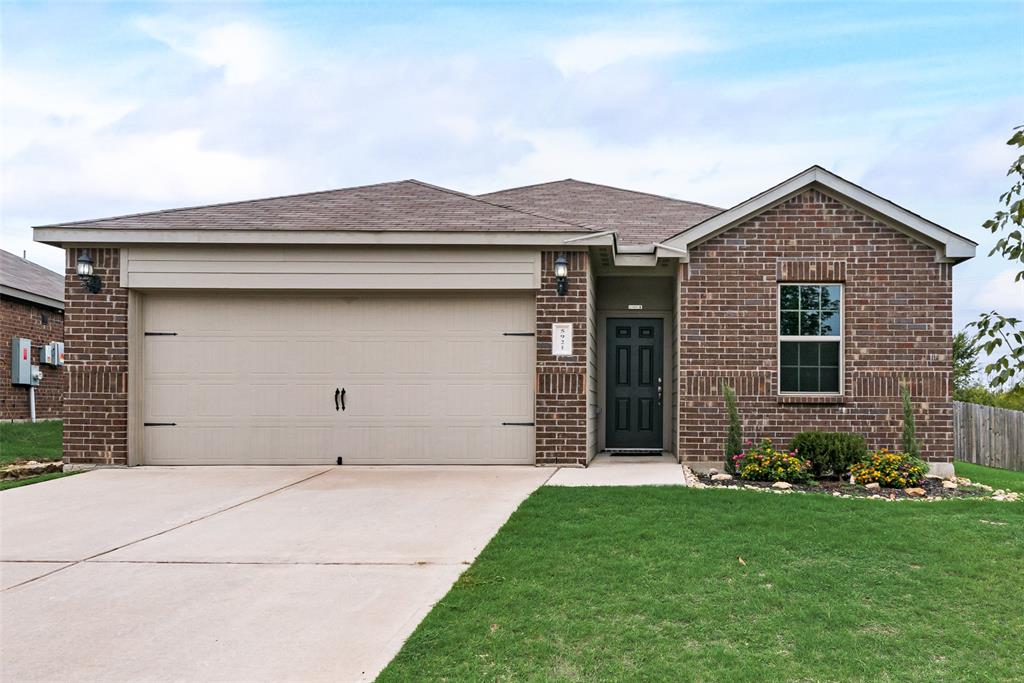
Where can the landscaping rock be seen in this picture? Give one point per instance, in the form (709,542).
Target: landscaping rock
(947,484)
(31,468)
(721,476)
(873,486)
(784,485)
(914,491)
(962,480)
(713,471)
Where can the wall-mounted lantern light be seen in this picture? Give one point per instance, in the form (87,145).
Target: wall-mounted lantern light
(84,268)
(561,274)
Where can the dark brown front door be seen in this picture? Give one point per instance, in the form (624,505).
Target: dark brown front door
(635,384)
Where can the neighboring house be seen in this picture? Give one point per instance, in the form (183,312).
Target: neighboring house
(31,307)
(407,323)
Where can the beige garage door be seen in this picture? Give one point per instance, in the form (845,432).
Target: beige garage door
(258,379)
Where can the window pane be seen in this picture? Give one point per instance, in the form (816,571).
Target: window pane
(808,353)
(829,379)
(830,298)
(809,323)
(789,297)
(809,297)
(829,323)
(787,379)
(790,353)
(829,353)
(789,323)
(808,379)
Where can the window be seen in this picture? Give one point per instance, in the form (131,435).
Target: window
(810,339)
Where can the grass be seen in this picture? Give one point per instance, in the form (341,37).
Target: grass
(646,584)
(993,476)
(15,483)
(27,441)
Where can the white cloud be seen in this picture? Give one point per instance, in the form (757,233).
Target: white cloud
(246,52)
(1000,293)
(590,52)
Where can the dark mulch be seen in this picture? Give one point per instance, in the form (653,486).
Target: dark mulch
(830,485)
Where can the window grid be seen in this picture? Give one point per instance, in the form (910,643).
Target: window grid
(835,339)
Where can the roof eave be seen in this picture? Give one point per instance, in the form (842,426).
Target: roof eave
(949,245)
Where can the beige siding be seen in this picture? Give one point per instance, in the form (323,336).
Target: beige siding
(328,267)
(251,378)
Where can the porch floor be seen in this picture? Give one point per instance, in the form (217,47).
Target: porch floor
(618,470)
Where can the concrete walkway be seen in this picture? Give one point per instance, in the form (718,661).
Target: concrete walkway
(236,573)
(618,470)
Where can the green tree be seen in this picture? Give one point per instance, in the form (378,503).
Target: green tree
(734,435)
(965,362)
(997,332)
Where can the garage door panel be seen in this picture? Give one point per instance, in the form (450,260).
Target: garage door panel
(251,378)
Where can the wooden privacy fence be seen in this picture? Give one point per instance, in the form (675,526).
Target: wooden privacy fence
(988,436)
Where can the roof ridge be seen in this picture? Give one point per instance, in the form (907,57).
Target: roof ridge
(610,187)
(502,206)
(219,204)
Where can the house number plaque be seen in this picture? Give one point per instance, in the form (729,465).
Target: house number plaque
(561,339)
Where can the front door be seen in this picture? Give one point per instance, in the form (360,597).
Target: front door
(635,384)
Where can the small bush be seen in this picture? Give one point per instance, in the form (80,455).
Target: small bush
(733,437)
(833,452)
(910,444)
(889,469)
(764,462)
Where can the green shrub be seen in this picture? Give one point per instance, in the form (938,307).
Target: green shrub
(764,462)
(889,469)
(829,451)
(910,444)
(734,436)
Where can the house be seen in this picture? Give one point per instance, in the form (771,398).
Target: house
(408,323)
(31,307)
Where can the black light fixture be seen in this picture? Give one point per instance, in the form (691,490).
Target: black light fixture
(84,268)
(561,274)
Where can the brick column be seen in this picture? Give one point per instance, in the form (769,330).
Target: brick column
(561,412)
(96,363)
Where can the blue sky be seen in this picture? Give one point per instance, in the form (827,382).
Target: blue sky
(110,108)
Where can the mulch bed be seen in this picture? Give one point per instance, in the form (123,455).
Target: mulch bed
(933,488)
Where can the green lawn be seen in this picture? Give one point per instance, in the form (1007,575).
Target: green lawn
(15,483)
(994,477)
(27,441)
(590,584)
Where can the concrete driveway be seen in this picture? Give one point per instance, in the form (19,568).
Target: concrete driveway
(236,573)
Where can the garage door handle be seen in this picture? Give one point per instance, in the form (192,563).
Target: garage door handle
(339,393)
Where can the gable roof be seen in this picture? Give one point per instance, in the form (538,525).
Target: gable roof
(407,205)
(947,243)
(22,279)
(636,217)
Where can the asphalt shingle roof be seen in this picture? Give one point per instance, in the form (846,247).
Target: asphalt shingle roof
(25,276)
(638,217)
(408,205)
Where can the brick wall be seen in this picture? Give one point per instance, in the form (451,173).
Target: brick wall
(42,325)
(96,357)
(561,411)
(898,308)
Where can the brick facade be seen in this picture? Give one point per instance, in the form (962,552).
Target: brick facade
(898,327)
(561,402)
(42,325)
(96,357)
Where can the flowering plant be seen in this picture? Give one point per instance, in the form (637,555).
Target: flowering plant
(889,469)
(764,462)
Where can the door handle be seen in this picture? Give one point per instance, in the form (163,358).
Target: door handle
(337,393)
(343,398)
(661,391)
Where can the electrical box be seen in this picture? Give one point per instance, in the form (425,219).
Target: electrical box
(52,354)
(36,375)
(21,360)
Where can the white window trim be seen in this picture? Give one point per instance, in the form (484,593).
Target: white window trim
(779,338)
